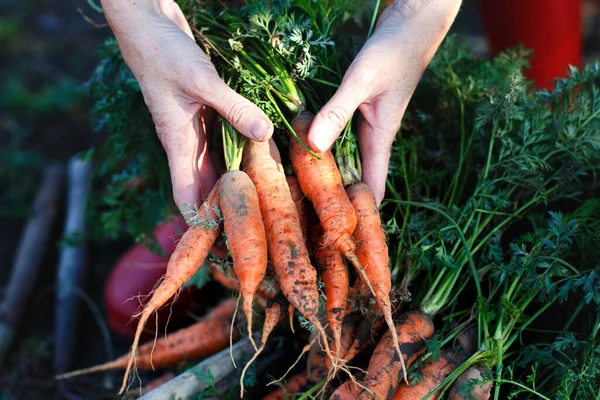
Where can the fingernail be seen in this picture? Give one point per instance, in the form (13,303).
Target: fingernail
(320,142)
(259,129)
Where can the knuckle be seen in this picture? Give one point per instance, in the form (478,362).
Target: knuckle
(238,112)
(336,116)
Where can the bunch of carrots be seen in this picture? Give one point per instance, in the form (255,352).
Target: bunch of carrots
(293,219)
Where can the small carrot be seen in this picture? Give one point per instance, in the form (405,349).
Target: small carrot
(187,258)
(204,338)
(334,275)
(294,385)
(301,207)
(246,239)
(385,369)
(274,313)
(472,385)
(286,247)
(227,282)
(372,250)
(153,384)
(434,373)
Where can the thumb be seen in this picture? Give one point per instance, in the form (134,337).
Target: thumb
(241,113)
(333,117)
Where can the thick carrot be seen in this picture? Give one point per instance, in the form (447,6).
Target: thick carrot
(204,338)
(472,385)
(286,247)
(243,225)
(294,385)
(321,182)
(385,369)
(372,249)
(187,258)
(301,207)
(434,373)
(334,275)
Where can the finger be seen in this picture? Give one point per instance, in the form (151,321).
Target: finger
(241,113)
(375,145)
(206,171)
(184,148)
(333,117)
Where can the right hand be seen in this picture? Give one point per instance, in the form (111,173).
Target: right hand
(180,87)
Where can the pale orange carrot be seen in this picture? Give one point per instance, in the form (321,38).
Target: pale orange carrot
(246,239)
(298,198)
(187,258)
(286,247)
(204,338)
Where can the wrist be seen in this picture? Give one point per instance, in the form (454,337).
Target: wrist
(121,14)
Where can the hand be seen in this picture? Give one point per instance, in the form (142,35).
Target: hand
(180,87)
(381,80)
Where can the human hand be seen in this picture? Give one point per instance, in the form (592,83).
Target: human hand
(381,80)
(180,87)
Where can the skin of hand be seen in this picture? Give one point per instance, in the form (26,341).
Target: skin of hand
(181,89)
(381,80)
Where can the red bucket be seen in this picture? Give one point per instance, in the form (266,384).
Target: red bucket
(551,28)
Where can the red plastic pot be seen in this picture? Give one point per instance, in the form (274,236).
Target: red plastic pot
(551,28)
(135,274)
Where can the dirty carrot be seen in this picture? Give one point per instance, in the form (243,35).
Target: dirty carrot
(286,247)
(372,250)
(385,369)
(294,385)
(334,275)
(274,313)
(204,338)
(243,225)
(187,258)
(434,373)
(321,182)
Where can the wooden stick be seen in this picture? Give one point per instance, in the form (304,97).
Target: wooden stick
(71,269)
(27,261)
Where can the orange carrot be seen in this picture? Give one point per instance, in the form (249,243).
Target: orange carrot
(294,385)
(227,282)
(471,385)
(372,249)
(187,258)
(334,275)
(434,373)
(246,239)
(298,198)
(321,182)
(204,338)
(385,370)
(286,247)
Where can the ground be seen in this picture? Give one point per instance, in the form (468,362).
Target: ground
(48,52)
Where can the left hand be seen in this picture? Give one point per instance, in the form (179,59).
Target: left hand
(381,80)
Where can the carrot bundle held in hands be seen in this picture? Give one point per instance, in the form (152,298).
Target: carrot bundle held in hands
(192,249)
(204,338)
